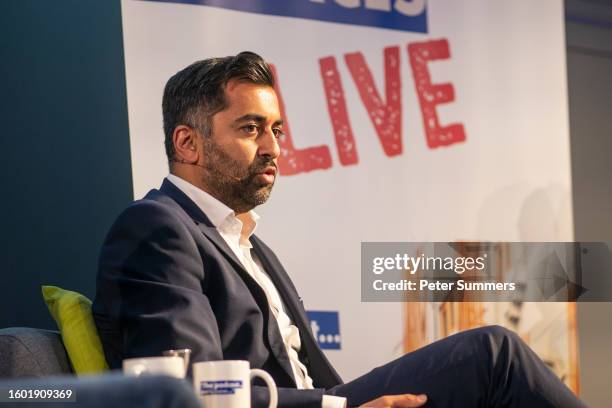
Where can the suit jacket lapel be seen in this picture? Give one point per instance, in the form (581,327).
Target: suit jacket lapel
(208,229)
(201,220)
(321,371)
(281,284)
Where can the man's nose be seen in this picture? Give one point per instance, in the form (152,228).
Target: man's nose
(268,144)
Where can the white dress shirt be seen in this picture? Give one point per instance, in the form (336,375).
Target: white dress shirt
(236,235)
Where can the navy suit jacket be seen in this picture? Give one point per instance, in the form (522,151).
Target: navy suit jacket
(168,280)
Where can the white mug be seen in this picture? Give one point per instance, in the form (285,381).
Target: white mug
(172,366)
(227,384)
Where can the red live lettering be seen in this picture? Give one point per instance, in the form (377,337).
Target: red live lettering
(336,106)
(291,160)
(432,95)
(385,116)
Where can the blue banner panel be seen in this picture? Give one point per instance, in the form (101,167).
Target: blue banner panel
(325,327)
(404,15)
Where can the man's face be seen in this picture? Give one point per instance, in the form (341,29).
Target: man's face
(241,153)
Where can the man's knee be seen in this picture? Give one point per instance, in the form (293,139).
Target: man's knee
(498,335)
(499,332)
(496,344)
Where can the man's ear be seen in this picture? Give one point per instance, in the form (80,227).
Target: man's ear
(185,141)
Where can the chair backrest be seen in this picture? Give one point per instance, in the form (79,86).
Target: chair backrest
(30,352)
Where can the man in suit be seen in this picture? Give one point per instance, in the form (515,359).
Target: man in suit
(181,268)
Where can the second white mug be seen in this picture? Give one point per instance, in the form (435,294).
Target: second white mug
(172,366)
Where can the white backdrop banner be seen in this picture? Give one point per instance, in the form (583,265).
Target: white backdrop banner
(407,121)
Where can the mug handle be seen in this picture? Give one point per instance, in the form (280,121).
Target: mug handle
(256,372)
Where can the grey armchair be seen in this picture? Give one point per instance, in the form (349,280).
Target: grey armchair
(30,352)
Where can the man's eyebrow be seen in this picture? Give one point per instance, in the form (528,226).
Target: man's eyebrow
(255,118)
(250,116)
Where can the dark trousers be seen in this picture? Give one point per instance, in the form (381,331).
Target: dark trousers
(485,367)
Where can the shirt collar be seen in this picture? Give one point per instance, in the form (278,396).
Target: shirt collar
(221,216)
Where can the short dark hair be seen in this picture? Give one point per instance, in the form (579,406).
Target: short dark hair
(193,95)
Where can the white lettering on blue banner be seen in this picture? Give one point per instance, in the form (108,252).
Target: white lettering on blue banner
(404,15)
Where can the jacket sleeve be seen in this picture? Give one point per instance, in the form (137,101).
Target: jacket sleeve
(149,296)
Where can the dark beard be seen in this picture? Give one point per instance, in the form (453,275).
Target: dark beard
(232,183)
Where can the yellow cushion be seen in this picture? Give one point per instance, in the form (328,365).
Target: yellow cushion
(72,313)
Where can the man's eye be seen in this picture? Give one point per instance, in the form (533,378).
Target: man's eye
(278,132)
(251,129)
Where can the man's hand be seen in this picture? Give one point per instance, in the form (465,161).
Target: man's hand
(397,401)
